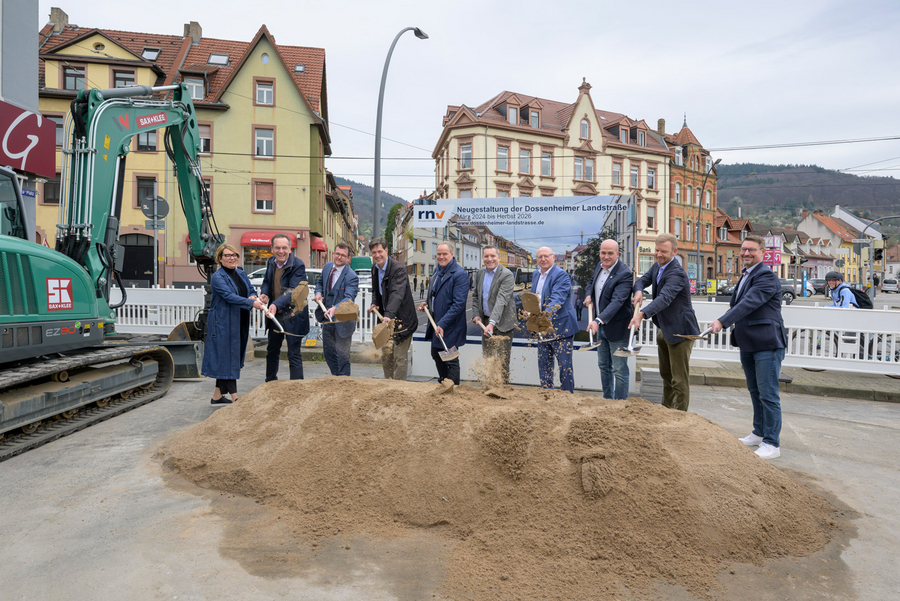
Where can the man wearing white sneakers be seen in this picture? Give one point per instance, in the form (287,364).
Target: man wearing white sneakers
(759,332)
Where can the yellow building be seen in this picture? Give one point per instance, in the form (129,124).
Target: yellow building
(263,116)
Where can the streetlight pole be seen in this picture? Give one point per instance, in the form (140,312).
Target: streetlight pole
(699,203)
(387,61)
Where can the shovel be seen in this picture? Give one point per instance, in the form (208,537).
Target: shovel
(485,331)
(592,345)
(699,336)
(381,333)
(325,311)
(449,354)
(632,350)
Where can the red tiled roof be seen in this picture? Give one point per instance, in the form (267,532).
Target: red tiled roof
(892,254)
(685,137)
(842,229)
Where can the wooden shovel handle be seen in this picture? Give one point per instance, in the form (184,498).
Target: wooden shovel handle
(430,318)
(324,310)
(375,310)
(637,309)
(484,328)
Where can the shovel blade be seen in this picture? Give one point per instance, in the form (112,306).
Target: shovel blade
(590,347)
(624,352)
(450,354)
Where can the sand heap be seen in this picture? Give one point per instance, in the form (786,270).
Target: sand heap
(540,495)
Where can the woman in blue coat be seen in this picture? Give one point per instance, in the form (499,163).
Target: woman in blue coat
(228,326)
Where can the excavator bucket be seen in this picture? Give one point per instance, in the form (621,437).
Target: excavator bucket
(186,347)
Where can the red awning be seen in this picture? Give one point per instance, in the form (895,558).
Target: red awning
(264,239)
(317,244)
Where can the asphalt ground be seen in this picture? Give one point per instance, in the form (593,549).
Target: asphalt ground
(95,516)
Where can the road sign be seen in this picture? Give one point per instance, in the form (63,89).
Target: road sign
(772,256)
(860,241)
(162,207)
(772,241)
(155,224)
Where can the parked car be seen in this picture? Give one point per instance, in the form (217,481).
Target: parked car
(890,285)
(819,285)
(787,291)
(256,277)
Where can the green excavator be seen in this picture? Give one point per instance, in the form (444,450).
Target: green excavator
(59,370)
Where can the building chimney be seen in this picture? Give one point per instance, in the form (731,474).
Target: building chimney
(739,212)
(194,31)
(661,127)
(59,18)
(805,213)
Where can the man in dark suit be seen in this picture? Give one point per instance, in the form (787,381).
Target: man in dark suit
(447,303)
(759,332)
(284,272)
(554,287)
(338,283)
(673,314)
(392,297)
(609,291)
(493,305)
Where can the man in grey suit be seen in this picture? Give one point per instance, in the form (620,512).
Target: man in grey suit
(493,305)
(338,283)
(673,313)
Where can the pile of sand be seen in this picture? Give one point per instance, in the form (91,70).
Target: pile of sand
(542,495)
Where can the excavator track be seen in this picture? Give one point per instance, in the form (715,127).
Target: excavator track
(83,389)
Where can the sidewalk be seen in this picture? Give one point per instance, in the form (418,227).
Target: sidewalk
(829,383)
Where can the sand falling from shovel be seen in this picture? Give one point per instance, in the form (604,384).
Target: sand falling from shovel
(539,495)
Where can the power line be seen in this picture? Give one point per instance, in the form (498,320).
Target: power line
(799,144)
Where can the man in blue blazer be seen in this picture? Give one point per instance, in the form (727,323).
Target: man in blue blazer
(447,302)
(759,332)
(554,287)
(284,272)
(673,313)
(338,283)
(610,291)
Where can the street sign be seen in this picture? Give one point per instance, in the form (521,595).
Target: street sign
(162,207)
(772,241)
(772,256)
(860,241)
(155,224)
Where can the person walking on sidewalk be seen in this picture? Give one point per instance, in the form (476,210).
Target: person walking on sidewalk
(673,314)
(759,332)
(338,283)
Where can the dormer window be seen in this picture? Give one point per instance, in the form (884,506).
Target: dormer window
(512,115)
(195,87)
(218,59)
(150,54)
(623,135)
(679,157)
(535,119)
(641,139)
(585,129)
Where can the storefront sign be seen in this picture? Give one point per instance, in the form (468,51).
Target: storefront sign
(27,141)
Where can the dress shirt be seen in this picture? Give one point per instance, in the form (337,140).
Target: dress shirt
(335,274)
(486,289)
(542,279)
(598,288)
(661,269)
(745,273)
(381,271)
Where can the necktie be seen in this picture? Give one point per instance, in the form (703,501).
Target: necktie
(332,278)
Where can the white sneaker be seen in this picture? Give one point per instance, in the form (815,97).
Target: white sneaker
(752,440)
(767,451)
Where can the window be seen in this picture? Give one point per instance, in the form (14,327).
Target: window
(503,158)
(651,179)
(635,174)
(265,93)
(195,87)
(743,234)
(218,59)
(708,163)
(585,128)
(677,192)
(698,197)
(651,218)
(688,198)
(73,78)
(264,197)
(708,232)
(679,158)
(512,115)
(579,168)
(146,141)
(525,194)
(465,156)
(51,191)
(641,138)
(646,263)
(205,139)
(150,54)
(60,133)
(524,160)
(546,164)
(677,231)
(589,169)
(265,143)
(623,136)
(687,230)
(617,174)
(123,79)
(299,68)
(146,188)
(502,193)
(465,193)
(708,198)
(535,119)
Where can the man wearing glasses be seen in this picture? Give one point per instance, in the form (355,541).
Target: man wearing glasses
(338,283)
(759,332)
(284,272)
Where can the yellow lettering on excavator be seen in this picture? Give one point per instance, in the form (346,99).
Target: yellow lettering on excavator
(106,142)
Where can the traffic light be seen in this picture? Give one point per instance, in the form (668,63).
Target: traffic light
(878,254)
(803,260)
(793,260)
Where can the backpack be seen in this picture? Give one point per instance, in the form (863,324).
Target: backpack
(862,300)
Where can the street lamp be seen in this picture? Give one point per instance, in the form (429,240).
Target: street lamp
(699,202)
(387,61)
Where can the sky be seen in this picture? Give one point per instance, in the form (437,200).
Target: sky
(744,74)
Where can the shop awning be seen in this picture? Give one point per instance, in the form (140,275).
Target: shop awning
(316,243)
(264,239)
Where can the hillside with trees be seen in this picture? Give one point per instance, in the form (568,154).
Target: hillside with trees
(363,204)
